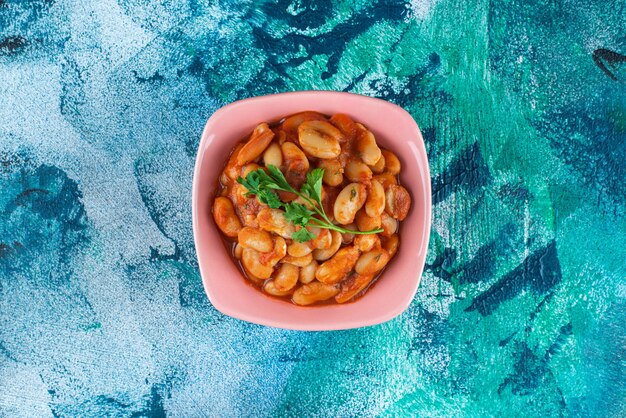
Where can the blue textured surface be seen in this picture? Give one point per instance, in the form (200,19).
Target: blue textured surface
(521,310)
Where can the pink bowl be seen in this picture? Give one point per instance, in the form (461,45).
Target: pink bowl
(228,291)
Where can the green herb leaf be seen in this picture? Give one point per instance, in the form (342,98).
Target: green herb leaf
(265,179)
(302,235)
(279,178)
(270,198)
(297,213)
(251,182)
(313,184)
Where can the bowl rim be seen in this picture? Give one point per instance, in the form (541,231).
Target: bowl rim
(398,308)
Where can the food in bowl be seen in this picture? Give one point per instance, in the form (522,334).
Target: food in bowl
(309,208)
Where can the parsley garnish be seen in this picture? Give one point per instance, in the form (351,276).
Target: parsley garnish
(302,235)
(264,185)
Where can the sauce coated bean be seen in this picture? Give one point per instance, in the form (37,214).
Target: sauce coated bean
(259,140)
(225,217)
(348,202)
(320,139)
(335,269)
(314,292)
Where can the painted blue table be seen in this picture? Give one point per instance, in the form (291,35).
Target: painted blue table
(522,307)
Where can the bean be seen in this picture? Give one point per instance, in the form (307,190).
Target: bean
(325,254)
(293,156)
(248,168)
(278,252)
(307,273)
(379,167)
(238,192)
(398,202)
(314,292)
(320,139)
(298,261)
(366,147)
(318,234)
(348,202)
(391,244)
(385,179)
(347,154)
(372,261)
(353,286)
(389,225)
(333,172)
(225,217)
(248,207)
(251,260)
(299,249)
(286,277)
(241,201)
(392,163)
(366,242)
(358,171)
(346,237)
(323,239)
(238,251)
(255,239)
(232,168)
(375,203)
(274,220)
(291,124)
(273,155)
(257,280)
(281,136)
(345,124)
(270,288)
(259,140)
(365,222)
(295,164)
(335,269)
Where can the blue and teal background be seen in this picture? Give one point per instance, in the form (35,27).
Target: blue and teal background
(522,306)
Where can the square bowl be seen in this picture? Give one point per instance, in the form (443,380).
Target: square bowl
(224,284)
